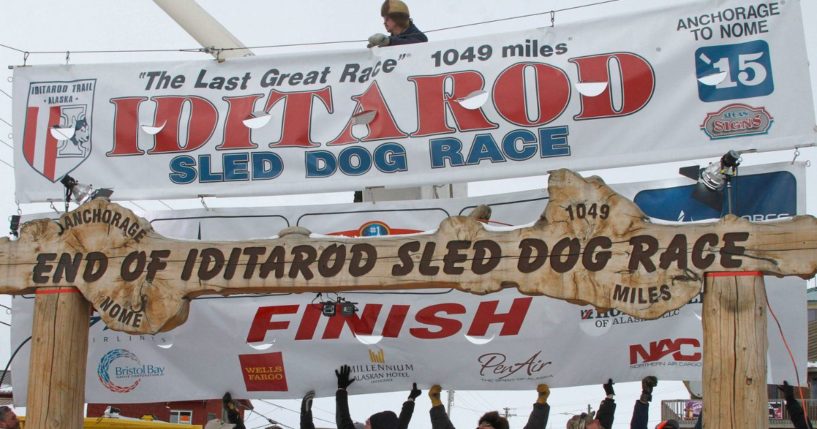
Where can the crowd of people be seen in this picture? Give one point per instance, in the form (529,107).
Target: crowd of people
(538,418)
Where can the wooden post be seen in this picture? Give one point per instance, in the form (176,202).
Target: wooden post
(735,346)
(59,351)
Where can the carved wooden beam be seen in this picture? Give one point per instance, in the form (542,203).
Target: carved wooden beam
(590,245)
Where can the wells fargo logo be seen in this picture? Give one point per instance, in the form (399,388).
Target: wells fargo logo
(737,120)
(377,356)
(667,352)
(264,372)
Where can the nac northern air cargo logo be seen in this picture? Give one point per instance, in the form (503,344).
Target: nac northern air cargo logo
(57,131)
(120,371)
(666,352)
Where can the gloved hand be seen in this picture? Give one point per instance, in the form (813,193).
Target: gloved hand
(415,392)
(434,394)
(647,384)
(343,377)
(608,388)
(378,39)
(544,391)
(788,391)
(306,402)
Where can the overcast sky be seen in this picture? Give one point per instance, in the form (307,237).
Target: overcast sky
(119,24)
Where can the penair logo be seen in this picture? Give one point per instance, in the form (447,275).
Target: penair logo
(736,120)
(264,372)
(57,131)
(380,370)
(498,367)
(666,352)
(375,228)
(120,371)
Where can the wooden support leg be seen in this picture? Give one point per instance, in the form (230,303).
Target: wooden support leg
(735,346)
(59,351)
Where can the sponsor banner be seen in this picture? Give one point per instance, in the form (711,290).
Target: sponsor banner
(731,75)
(280,346)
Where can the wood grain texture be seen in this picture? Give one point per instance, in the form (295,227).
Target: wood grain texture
(590,245)
(734,353)
(59,350)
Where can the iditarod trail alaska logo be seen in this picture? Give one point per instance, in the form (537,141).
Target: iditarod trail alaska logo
(57,130)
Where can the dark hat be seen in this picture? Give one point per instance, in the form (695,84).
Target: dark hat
(384,420)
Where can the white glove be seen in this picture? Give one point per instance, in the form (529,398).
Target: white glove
(378,39)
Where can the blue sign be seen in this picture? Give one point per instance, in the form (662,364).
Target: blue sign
(730,72)
(755,197)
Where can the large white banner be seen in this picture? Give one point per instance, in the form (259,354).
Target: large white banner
(280,346)
(683,82)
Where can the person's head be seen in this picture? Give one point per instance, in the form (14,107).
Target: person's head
(492,420)
(668,424)
(395,15)
(382,420)
(584,421)
(8,420)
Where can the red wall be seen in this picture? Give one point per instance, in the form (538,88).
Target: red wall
(161,410)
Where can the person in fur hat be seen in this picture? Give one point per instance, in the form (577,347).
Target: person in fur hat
(381,420)
(398,23)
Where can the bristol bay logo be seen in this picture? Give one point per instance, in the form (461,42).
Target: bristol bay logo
(737,120)
(57,133)
(121,371)
(498,367)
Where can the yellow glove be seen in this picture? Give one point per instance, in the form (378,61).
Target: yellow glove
(434,394)
(544,391)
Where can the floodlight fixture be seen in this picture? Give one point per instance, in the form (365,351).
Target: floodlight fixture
(331,308)
(348,309)
(717,175)
(81,193)
(713,179)
(328,308)
(14,225)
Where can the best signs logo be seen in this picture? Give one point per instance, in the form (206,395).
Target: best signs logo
(666,352)
(737,120)
(264,372)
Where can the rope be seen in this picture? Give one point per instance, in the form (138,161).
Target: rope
(793,362)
